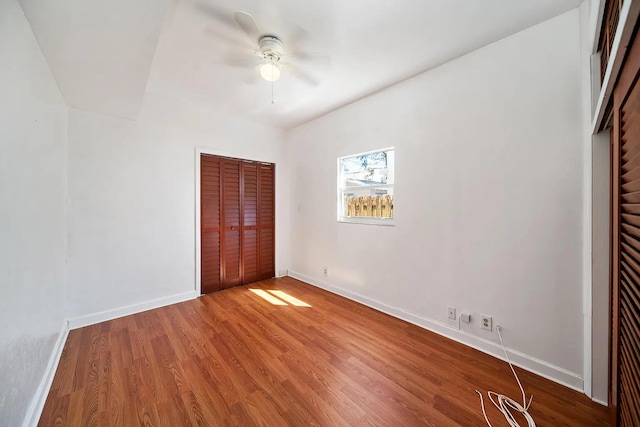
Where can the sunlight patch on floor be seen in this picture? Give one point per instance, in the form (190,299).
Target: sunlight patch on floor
(288,298)
(268,297)
(277,297)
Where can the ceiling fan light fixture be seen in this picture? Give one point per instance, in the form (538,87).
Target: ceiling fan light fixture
(270,72)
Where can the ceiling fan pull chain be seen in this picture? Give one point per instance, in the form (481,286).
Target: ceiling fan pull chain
(272,101)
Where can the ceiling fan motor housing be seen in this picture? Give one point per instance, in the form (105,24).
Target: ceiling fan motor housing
(271,48)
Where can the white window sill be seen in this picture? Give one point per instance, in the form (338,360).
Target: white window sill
(389,222)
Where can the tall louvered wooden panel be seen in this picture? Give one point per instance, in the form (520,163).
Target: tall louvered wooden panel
(625,351)
(210,222)
(267,221)
(250,222)
(237,222)
(231,243)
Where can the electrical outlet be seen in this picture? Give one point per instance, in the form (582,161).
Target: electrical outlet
(452,313)
(486,322)
(466,318)
(325,271)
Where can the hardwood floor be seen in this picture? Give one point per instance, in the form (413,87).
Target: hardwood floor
(234,358)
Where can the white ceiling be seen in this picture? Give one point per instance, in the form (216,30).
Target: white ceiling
(104,55)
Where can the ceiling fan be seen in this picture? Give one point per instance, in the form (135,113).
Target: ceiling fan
(274,58)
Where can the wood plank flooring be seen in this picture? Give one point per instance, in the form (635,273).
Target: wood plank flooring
(234,358)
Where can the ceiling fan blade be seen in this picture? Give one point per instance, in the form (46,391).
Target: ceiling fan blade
(312,59)
(241,61)
(239,43)
(301,75)
(253,77)
(220,16)
(248,25)
(298,35)
(234,42)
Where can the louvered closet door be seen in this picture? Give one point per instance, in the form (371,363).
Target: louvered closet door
(267,221)
(231,253)
(210,223)
(237,214)
(250,222)
(625,353)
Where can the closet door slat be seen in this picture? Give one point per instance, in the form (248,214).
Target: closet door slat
(210,223)
(267,221)
(250,222)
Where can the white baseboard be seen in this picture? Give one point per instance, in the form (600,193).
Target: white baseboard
(524,361)
(602,402)
(38,401)
(37,404)
(103,316)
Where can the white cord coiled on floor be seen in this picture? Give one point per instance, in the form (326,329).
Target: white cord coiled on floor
(504,403)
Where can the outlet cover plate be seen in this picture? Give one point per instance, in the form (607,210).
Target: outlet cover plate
(486,322)
(451,313)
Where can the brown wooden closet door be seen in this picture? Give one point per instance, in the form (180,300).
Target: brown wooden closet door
(249,222)
(266,220)
(231,253)
(625,297)
(237,222)
(210,223)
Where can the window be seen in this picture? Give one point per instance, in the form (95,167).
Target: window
(365,187)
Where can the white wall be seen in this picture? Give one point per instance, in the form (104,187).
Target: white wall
(132,199)
(489,197)
(33,122)
(100,52)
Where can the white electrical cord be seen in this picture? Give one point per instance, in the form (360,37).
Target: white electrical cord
(504,403)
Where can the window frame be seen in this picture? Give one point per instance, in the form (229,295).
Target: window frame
(341,218)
